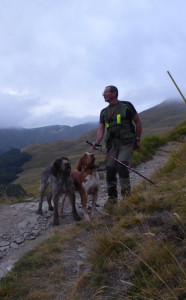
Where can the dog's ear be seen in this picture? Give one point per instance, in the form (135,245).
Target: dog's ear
(80,164)
(65,158)
(56,167)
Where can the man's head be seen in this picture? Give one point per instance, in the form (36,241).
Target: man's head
(110,94)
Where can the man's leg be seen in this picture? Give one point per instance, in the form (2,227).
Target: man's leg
(111,183)
(111,176)
(125,156)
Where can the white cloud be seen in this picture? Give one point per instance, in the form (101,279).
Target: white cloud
(56,57)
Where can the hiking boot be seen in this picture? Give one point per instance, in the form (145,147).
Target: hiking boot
(110,202)
(125,193)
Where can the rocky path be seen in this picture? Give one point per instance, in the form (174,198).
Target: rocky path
(21,229)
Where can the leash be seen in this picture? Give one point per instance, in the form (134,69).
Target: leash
(101,166)
(93,167)
(99,148)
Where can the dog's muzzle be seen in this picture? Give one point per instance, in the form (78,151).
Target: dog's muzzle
(67,167)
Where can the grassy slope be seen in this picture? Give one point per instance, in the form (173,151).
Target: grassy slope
(163,117)
(157,120)
(138,250)
(147,239)
(44,155)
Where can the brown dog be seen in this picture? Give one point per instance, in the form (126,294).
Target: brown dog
(61,182)
(86,182)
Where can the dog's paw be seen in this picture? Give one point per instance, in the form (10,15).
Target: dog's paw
(39,212)
(86,216)
(55,223)
(77,217)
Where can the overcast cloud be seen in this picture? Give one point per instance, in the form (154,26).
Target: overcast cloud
(56,57)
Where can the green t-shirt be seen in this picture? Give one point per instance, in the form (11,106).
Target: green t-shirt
(111,111)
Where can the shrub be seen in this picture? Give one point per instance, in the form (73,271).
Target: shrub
(10,165)
(11,190)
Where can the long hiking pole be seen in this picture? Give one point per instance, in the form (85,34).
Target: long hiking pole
(98,147)
(176,86)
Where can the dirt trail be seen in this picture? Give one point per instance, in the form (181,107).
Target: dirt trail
(21,229)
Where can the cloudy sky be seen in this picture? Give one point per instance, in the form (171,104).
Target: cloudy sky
(56,57)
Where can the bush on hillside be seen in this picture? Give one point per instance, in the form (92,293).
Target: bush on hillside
(148,147)
(151,143)
(8,175)
(176,133)
(10,165)
(14,158)
(11,190)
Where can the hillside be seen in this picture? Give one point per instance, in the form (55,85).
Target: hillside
(45,154)
(12,138)
(134,251)
(163,117)
(156,120)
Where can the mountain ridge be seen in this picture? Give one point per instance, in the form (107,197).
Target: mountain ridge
(157,119)
(11,138)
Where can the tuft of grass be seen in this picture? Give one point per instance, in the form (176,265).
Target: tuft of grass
(127,222)
(151,143)
(41,272)
(108,247)
(156,269)
(129,257)
(150,257)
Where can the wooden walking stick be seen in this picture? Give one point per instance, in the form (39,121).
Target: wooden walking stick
(177,86)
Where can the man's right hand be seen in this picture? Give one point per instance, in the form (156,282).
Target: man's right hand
(94,143)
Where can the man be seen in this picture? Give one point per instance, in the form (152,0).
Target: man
(123,135)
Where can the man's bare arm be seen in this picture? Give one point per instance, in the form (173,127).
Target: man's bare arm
(100,133)
(138,125)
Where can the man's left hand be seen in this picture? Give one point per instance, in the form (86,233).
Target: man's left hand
(137,144)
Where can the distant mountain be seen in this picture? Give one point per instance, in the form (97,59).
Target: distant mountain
(163,117)
(156,120)
(13,138)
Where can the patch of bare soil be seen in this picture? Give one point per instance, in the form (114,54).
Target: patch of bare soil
(21,229)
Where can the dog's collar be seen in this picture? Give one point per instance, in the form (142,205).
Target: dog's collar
(85,167)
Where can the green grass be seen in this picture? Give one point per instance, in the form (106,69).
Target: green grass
(151,143)
(109,246)
(157,265)
(11,193)
(39,274)
(44,155)
(129,257)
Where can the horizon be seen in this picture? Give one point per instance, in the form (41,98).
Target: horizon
(58,56)
(171,99)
